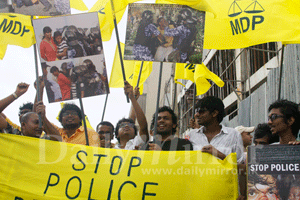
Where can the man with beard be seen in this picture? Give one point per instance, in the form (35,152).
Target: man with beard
(165,139)
(72,132)
(284,120)
(213,137)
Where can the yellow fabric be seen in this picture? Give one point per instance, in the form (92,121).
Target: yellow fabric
(88,124)
(15,29)
(184,71)
(33,168)
(202,74)
(103,7)
(78,5)
(274,20)
(132,70)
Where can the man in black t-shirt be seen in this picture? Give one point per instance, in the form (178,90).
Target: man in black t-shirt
(165,139)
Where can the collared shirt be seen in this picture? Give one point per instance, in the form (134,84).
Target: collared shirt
(227,141)
(130,145)
(79,136)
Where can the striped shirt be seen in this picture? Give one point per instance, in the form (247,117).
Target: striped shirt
(227,141)
(61,47)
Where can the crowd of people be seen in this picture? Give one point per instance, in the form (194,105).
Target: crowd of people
(70,42)
(165,40)
(207,135)
(64,85)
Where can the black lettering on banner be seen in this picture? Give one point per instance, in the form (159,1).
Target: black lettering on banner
(91,189)
(79,190)
(98,161)
(19,28)
(190,67)
(24,31)
(257,20)
(144,190)
(77,156)
(121,187)
(247,24)
(112,165)
(235,27)
(110,189)
(18,198)
(51,184)
(6,28)
(131,164)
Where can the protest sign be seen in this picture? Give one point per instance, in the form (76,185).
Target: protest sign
(164,32)
(73,54)
(273,171)
(40,169)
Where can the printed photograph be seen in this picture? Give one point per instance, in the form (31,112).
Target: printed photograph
(68,37)
(65,80)
(164,32)
(41,7)
(5,7)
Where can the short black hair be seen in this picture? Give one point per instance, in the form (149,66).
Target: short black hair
(53,69)
(288,109)
(70,106)
(118,126)
(27,105)
(262,130)
(26,117)
(212,103)
(56,34)
(174,117)
(47,29)
(105,123)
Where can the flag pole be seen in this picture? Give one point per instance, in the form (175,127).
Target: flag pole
(281,72)
(194,100)
(118,42)
(140,74)
(78,88)
(104,107)
(37,78)
(157,102)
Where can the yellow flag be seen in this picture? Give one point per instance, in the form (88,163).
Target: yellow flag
(33,168)
(15,29)
(88,124)
(116,76)
(78,5)
(241,24)
(103,7)
(132,70)
(184,71)
(202,74)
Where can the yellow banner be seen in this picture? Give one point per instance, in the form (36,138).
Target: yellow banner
(240,24)
(15,29)
(40,169)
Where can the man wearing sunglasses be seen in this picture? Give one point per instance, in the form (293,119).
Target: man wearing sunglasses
(126,131)
(213,137)
(284,120)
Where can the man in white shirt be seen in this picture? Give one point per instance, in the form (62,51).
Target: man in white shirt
(213,137)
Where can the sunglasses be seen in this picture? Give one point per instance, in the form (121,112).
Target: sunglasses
(274,116)
(131,125)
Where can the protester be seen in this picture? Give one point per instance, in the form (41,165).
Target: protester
(165,139)
(126,131)
(262,134)
(284,120)
(246,135)
(61,44)
(48,48)
(105,130)
(63,82)
(30,125)
(73,132)
(213,137)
